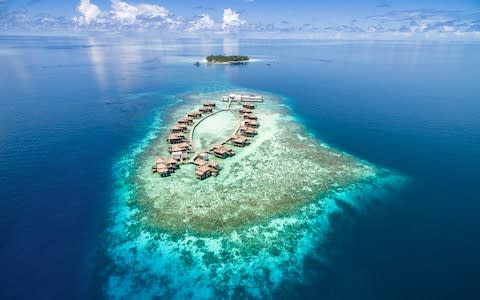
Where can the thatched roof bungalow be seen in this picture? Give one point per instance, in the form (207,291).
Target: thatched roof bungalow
(185,120)
(194,114)
(182,146)
(223,152)
(251,123)
(171,163)
(200,162)
(206,109)
(214,165)
(209,104)
(248,131)
(163,170)
(250,116)
(179,155)
(245,111)
(239,141)
(248,105)
(203,172)
(178,128)
(175,138)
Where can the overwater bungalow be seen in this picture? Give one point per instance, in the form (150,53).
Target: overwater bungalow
(200,162)
(223,152)
(245,111)
(209,104)
(171,163)
(183,146)
(247,131)
(175,138)
(239,141)
(179,155)
(250,116)
(185,120)
(176,148)
(157,162)
(162,170)
(178,128)
(214,166)
(248,105)
(195,114)
(206,109)
(203,172)
(251,123)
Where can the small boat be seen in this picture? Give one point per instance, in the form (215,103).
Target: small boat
(197,64)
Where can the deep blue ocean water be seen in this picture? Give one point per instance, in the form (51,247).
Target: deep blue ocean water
(69,107)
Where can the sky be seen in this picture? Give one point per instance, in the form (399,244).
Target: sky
(341,19)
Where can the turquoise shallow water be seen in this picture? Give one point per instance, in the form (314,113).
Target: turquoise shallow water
(74,111)
(250,261)
(214,130)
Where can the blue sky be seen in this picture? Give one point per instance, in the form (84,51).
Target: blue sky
(253,18)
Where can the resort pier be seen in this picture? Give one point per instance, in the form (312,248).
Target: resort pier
(242,98)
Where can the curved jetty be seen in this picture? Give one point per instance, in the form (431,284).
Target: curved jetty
(244,233)
(243,131)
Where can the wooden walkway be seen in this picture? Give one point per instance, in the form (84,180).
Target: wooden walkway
(229,103)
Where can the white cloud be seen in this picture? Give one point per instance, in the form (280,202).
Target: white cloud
(124,12)
(129,14)
(47,20)
(141,16)
(146,16)
(231,19)
(152,11)
(89,12)
(204,22)
(447,28)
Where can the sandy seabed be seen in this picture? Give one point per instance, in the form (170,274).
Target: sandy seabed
(242,233)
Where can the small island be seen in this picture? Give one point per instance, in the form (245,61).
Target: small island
(241,192)
(231,59)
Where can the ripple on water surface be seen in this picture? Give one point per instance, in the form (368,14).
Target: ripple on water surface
(239,234)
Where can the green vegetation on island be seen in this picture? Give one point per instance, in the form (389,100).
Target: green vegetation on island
(227,58)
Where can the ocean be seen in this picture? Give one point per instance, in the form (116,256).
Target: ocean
(72,108)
